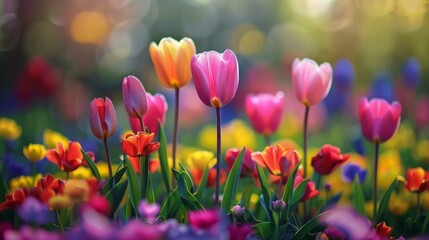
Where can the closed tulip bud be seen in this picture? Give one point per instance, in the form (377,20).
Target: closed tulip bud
(328,159)
(34,152)
(215,77)
(171,60)
(134,97)
(311,82)
(102,118)
(237,211)
(265,112)
(279,205)
(379,119)
(310,189)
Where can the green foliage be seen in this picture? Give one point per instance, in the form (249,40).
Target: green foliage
(231,183)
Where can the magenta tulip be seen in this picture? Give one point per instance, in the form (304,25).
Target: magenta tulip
(379,119)
(156,111)
(102,118)
(265,111)
(134,97)
(215,77)
(311,82)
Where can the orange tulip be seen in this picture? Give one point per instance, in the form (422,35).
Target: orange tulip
(139,144)
(171,59)
(417,180)
(279,161)
(67,159)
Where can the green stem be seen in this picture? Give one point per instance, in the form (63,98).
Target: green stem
(267,140)
(176,124)
(144,167)
(109,163)
(218,152)
(59,221)
(418,204)
(307,111)
(142,124)
(374,186)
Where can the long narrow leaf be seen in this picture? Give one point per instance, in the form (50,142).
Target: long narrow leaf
(188,199)
(231,182)
(114,180)
(299,192)
(247,194)
(308,227)
(358,199)
(132,181)
(384,203)
(171,205)
(150,194)
(163,157)
(115,195)
(200,192)
(92,166)
(265,190)
(289,185)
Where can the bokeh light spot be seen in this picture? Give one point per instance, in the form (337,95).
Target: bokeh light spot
(89,27)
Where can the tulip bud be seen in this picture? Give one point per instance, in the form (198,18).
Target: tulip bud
(134,97)
(279,205)
(237,211)
(102,118)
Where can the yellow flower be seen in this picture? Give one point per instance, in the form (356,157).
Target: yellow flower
(24,182)
(81,173)
(390,166)
(200,160)
(172,61)
(404,138)
(77,190)
(58,202)
(51,138)
(290,126)
(421,151)
(9,129)
(398,205)
(34,152)
(425,200)
(103,169)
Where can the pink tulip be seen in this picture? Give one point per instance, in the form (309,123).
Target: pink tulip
(215,76)
(379,120)
(156,111)
(134,97)
(311,82)
(102,118)
(265,111)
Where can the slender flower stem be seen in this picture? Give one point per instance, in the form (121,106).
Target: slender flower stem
(418,204)
(307,111)
(374,186)
(109,163)
(59,221)
(218,153)
(267,140)
(142,124)
(67,175)
(176,124)
(318,180)
(34,173)
(144,167)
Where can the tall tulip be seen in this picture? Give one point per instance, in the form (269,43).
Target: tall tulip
(156,110)
(134,98)
(311,83)
(102,119)
(379,121)
(265,112)
(216,81)
(171,59)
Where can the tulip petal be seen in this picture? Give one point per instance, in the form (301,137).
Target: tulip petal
(185,51)
(157,60)
(110,117)
(227,77)
(200,79)
(94,120)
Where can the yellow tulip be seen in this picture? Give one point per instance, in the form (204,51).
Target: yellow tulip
(24,182)
(51,138)
(172,61)
(58,202)
(34,152)
(77,190)
(201,159)
(9,129)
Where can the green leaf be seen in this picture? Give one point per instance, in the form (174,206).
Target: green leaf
(358,199)
(308,227)
(247,194)
(200,192)
(91,165)
(188,199)
(115,179)
(287,194)
(248,216)
(150,194)
(132,181)
(171,205)
(231,182)
(263,229)
(299,192)
(384,203)
(163,157)
(187,177)
(265,190)
(115,195)
(425,225)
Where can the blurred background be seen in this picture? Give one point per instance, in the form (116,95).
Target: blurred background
(56,56)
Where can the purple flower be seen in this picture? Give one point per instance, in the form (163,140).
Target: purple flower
(349,171)
(343,75)
(237,210)
(139,230)
(34,212)
(411,72)
(148,211)
(279,205)
(93,225)
(27,232)
(204,220)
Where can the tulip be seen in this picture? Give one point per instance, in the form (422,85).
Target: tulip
(156,111)
(134,97)
(9,129)
(383,230)
(310,189)
(51,138)
(417,182)
(67,158)
(328,159)
(277,160)
(247,168)
(265,112)
(379,121)
(204,220)
(34,152)
(216,81)
(102,119)
(171,60)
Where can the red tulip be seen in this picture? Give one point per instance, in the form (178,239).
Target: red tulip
(279,161)
(134,97)
(67,159)
(247,168)
(310,190)
(328,159)
(138,145)
(379,120)
(102,118)
(157,109)
(265,111)
(417,180)
(311,82)
(135,163)
(215,77)
(14,200)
